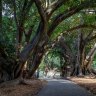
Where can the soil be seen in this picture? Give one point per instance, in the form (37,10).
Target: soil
(31,88)
(86,82)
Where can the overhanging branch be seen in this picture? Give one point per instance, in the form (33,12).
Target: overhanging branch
(54,6)
(92,38)
(81,26)
(73,10)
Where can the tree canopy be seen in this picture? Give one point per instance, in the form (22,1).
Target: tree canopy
(29,28)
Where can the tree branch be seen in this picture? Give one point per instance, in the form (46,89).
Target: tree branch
(28,34)
(54,6)
(29,4)
(81,26)
(25,4)
(73,10)
(40,10)
(24,12)
(91,38)
(87,37)
(16,21)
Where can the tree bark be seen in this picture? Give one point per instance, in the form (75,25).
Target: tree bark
(37,60)
(90,56)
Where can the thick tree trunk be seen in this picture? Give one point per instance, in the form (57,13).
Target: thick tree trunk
(67,54)
(37,60)
(66,51)
(39,41)
(28,50)
(77,68)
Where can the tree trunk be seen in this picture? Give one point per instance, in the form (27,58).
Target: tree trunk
(37,60)
(78,70)
(89,58)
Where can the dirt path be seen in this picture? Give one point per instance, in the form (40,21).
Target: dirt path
(62,87)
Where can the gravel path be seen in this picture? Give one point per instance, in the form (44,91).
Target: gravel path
(60,87)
